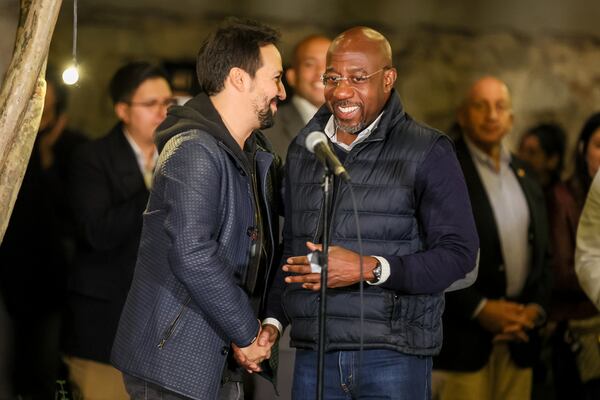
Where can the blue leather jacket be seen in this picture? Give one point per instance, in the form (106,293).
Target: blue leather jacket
(189,298)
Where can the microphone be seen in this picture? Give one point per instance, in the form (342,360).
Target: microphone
(316,142)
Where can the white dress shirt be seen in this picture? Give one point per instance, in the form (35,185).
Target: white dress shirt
(511,213)
(145,169)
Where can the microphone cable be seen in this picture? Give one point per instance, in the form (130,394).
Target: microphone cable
(313,140)
(360,286)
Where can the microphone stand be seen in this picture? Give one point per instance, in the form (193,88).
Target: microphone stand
(327,184)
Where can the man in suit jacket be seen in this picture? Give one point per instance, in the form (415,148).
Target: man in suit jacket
(490,340)
(304,76)
(109,190)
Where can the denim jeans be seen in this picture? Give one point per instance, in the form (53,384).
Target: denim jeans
(382,374)
(140,389)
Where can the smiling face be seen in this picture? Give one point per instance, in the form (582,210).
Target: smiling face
(266,89)
(486,116)
(309,64)
(358,53)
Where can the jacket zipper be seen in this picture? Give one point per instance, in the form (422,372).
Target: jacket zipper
(259,227)
(169,331)
(269,262)
(334,201)
(337,184)
(251,174)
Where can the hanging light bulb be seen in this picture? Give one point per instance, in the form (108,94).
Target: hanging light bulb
(71,75)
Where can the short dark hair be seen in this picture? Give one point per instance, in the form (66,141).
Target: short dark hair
(130,76)
(237,43)
(552,138)
(581,178)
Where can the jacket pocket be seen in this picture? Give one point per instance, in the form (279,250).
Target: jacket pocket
(168,332)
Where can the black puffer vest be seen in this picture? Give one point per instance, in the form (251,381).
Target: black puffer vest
(383,170)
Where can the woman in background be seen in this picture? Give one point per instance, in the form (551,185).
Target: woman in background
(543,147)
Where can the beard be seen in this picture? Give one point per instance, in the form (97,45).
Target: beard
(342,125)
(266,117)
(352,129)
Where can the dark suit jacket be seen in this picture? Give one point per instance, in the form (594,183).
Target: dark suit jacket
(467,345)
(34,255)
(108,197)
(288,123)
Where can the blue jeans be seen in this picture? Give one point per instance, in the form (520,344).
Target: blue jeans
(383,374)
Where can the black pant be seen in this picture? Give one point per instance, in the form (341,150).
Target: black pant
(568,385)
(36,357)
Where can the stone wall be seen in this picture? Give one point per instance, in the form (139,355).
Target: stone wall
(108,40)
(554,75)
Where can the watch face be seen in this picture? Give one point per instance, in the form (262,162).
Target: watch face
(377,272)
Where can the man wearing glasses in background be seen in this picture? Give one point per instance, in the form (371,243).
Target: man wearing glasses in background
(418,234)
(109,187)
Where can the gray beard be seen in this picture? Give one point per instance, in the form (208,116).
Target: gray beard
(353,129)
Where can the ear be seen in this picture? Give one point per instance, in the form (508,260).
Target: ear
(389,79)
(122,111)
(291,76)
(239,79)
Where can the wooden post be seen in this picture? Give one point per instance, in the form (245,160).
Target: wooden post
(22,97)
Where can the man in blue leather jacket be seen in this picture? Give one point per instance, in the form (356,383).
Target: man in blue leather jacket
(208,239)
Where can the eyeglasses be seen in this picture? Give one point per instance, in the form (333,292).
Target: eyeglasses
(486,108)
(154,104)
(332,80)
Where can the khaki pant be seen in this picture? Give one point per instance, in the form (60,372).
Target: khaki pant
(499,379)
(95,380)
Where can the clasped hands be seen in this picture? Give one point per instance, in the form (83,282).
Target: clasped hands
(507,320)
(343,268)
(251,356)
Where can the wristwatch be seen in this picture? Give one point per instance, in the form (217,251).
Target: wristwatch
(376,273)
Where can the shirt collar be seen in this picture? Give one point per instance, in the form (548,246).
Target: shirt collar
(139,155)
(483,158)
(365,133)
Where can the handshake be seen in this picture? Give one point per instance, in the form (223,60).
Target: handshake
(250,357)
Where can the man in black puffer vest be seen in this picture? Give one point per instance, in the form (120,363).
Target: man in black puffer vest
(417,233)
